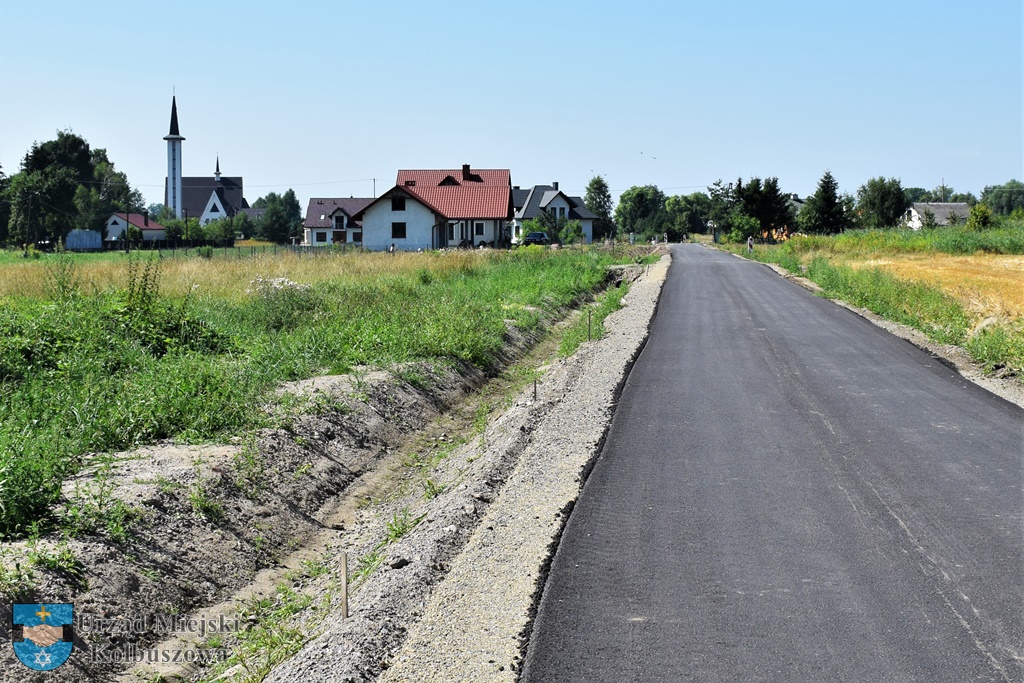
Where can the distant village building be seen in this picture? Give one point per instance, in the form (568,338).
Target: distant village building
(329,221)
(202,197)
(943,213)
(119,222)
(529,204)
(436,209)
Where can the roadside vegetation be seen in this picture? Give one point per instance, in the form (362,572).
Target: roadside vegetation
(100,355)
(957,285)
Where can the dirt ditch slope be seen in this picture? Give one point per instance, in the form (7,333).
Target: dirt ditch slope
(188,537)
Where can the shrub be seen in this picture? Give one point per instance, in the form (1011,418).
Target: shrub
(980,218)
(279,303)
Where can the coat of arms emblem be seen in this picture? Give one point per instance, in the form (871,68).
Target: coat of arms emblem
(42,635)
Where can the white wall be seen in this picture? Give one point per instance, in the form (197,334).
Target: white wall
(419,226)
(560,206)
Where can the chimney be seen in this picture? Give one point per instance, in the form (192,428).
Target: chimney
(145,218)
(555,185)
(465,171)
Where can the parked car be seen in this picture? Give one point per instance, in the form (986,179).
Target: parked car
(537,238)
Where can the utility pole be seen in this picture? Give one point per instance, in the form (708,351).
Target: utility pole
(28,223)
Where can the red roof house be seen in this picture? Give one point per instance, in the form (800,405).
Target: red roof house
(433,209)
(151,230)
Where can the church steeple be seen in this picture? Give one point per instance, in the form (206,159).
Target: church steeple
(174,117)
(216,174)
(172,193)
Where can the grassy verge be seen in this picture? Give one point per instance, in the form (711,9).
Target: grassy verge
(998,346)
(106,355)
(590,323)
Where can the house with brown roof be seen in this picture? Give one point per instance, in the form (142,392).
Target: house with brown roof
(119,222)
(435,209)
(329,221)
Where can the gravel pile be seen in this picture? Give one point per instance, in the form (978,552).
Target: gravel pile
(454,598)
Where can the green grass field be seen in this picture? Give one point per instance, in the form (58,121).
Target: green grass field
(101,352)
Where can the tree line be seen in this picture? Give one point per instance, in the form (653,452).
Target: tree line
(759,208)
(64,184)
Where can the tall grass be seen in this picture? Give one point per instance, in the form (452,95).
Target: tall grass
(1008,238)
(113,362)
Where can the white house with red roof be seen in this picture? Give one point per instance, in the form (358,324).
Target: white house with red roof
(435,209)
(118,222)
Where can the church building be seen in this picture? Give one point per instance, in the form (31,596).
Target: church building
(203,197)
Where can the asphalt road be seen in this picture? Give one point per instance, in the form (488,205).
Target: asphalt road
(789,493)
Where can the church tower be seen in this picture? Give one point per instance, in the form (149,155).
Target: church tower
(173,198)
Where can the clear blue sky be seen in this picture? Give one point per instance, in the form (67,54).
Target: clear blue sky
(323,96)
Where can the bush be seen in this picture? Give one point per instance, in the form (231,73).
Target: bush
(280,303)
(980,218)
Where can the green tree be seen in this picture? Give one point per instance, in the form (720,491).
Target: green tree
(284,222)
(1004,199)
(243,225)
(274,226)
(160,213)
(766,203)
(826,212)
(173,229)
(598,199)
(67,151)
(5,206)
(980,217)
(687,214)
(964,198)
(914,195)
(881,203)
(221,231)
(42,204)
(571,232)
(642,210)
(292,213)
(721,207)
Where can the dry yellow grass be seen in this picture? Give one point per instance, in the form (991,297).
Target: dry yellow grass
(230,277)
(987,285)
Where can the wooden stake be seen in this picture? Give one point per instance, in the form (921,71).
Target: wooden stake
(344,586)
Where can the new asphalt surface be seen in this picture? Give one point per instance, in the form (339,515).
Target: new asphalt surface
(789,493)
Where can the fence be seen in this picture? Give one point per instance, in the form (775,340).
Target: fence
(206,249)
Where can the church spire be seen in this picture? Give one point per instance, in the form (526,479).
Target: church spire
(173,197)
(174,116)
(174,134)
(216,174)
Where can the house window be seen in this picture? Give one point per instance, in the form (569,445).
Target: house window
(451,231)
(321,237)
(357,237)
(339,222)
(398,231)
(561,211)
(338,237)
(398,203)
(479,229)
(214,209)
